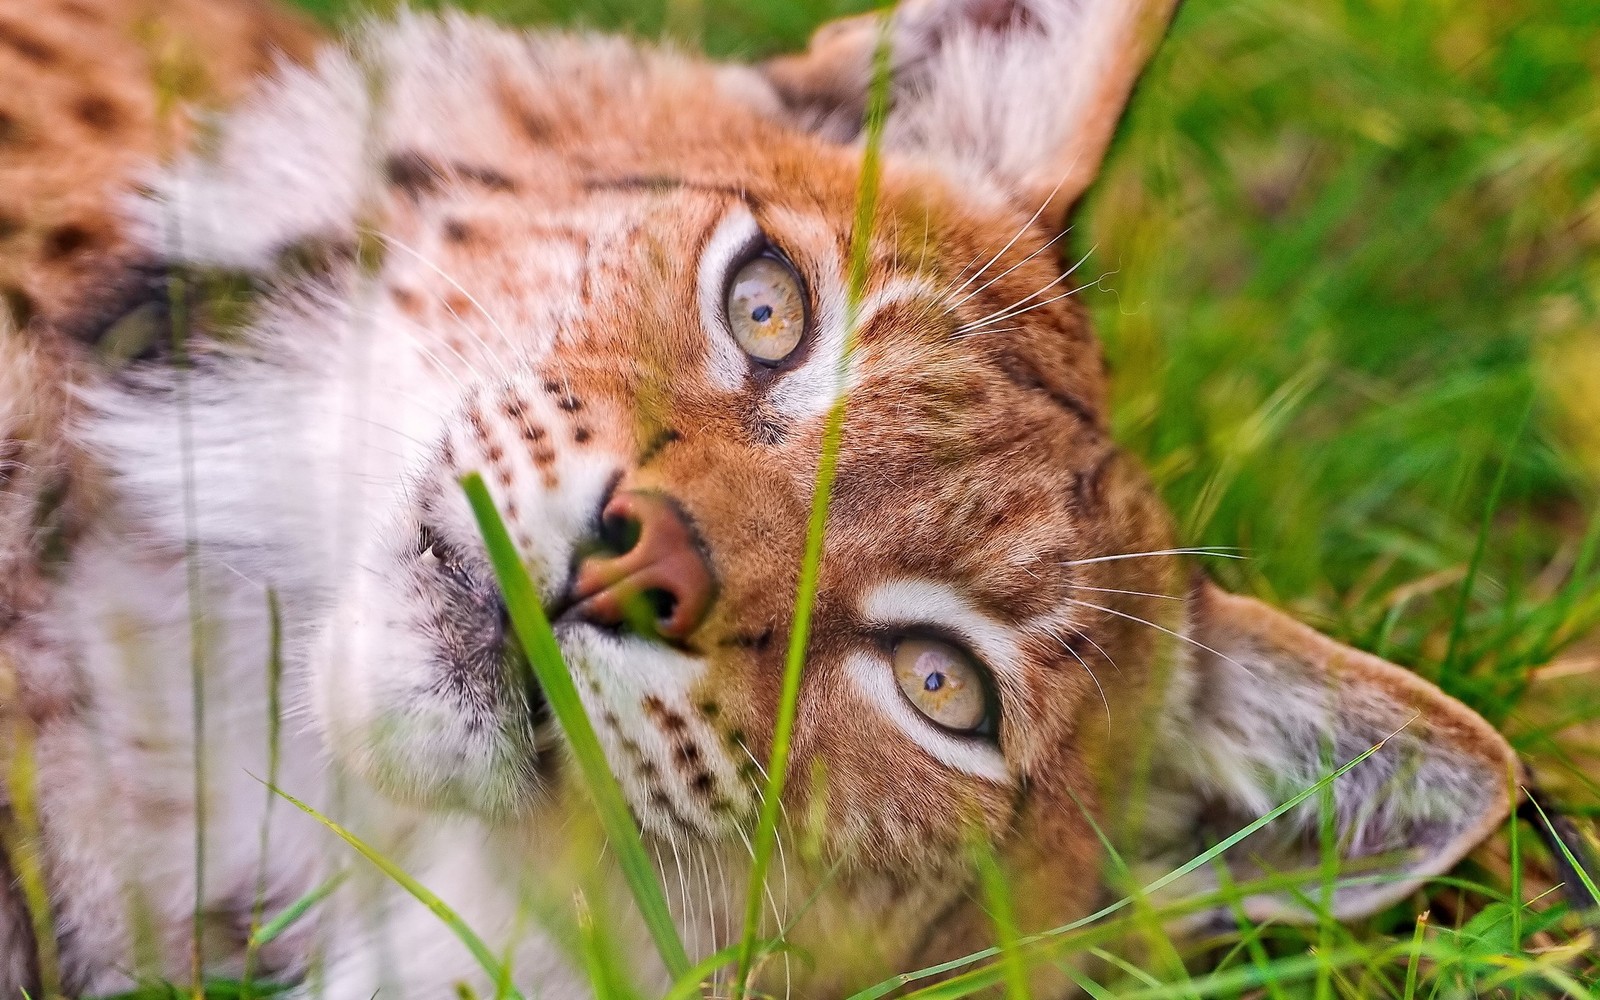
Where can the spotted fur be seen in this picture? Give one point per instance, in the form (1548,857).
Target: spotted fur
(444,247)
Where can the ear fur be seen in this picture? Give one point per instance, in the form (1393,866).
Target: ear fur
(1272,706)
(1026,93)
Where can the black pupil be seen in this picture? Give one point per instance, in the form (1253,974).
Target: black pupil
(934,682)
(761,314)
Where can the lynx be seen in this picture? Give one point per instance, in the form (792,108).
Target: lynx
(241,388)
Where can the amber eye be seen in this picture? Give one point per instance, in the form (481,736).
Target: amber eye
(767,309)
(943,683)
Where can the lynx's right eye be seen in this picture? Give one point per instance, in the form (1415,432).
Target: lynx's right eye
(944,684)
(766,308)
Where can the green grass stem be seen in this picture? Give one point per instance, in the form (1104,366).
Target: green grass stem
(544,656)
(766,832)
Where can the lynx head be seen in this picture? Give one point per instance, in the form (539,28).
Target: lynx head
(616,281)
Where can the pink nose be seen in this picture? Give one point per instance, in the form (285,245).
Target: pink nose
(653,572)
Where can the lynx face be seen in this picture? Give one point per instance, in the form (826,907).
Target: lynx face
(614,282)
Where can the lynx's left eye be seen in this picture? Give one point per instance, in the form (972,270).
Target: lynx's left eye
(767,308)
(944,684)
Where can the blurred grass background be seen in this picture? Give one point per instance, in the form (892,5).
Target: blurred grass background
(1349,261)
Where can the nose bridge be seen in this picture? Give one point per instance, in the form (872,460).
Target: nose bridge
(651,569)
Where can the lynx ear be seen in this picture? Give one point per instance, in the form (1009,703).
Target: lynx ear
(1271,706)
(1024,92)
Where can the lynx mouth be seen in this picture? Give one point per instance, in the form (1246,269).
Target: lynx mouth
(483,655)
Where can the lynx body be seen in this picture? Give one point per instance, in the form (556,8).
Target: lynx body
(613,279)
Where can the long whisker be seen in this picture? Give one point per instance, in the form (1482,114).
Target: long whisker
(1086,637)
(979,290)
(1130,593)
(711,903)
(1221,552)
(1006,312)
(425,262)
(1162,628)
(1013,242)
(1086,669)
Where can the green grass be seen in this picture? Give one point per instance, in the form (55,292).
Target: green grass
(1348,261)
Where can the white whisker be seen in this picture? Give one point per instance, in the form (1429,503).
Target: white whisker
(1130,593)
(1006,312)
(976,291)
(1162,628)
(1013,242)
(1221,552)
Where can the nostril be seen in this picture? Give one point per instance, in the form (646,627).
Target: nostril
(663,603)
(644,569)
(619,532)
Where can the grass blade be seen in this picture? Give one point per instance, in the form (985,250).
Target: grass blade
(544,656)
(1556,838)
(889,986)
(827,465)
(294,911)
(438,907)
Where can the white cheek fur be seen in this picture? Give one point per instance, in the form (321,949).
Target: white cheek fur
(727,365)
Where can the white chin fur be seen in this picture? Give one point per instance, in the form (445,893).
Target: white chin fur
(376,693)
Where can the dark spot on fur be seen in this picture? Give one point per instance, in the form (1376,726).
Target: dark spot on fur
(408,301)
(486,176)
(531,433)
(544,456)
(581,435)
(687,753)
(515,407)
(702,782)
(480,429)
(19,304)
(412,173)
(26,46)
(98,113)
(735,738)
(721,805)
(571,404)
(495,454)
(551,386)
(670,720)
(535,127)
(456,231)
(67,240)
(749,640)
(653,447)
(709,709)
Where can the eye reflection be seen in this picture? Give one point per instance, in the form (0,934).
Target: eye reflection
(942,683)
(766,309)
